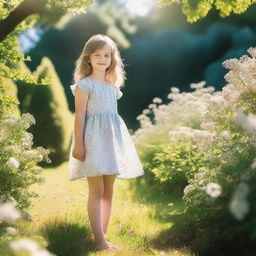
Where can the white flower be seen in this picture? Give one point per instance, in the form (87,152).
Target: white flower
(225,134)
(217,99)
(11,230)
(152,106)
(252,51)
(253,164)
(188,188)
(239,206)
(30,246)
(27,119)
(157,100)
(8,212)
(247,122)
(207,125)
(213,189)
(22,244)
(13,163)
(231,64)
(175,90)
(197,85)
(42,252)
(146,111)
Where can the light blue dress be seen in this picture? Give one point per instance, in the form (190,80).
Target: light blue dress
(109,148)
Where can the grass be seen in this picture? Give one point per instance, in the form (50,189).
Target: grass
(59,216)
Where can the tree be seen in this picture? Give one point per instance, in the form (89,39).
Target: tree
(197,9)
(48,10)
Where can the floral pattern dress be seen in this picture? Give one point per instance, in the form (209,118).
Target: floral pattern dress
(109,148)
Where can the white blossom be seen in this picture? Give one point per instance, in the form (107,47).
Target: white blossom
(152,106)
(253,164)
(26,244)
(157,100)
(225,134)
(12,162)
(197,85)
(146,111)
(252,51)
(188,188)
(231,64)
(22,244)
(238,205)
(8,212)
(247,122)
(175,90)
(213,189)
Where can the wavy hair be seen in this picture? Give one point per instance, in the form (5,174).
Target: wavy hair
(115,73)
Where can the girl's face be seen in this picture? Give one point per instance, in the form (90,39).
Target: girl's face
(101,58)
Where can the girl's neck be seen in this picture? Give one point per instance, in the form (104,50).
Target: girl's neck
(98,76)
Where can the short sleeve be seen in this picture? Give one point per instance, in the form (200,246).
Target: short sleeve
(119,94)
(85,86)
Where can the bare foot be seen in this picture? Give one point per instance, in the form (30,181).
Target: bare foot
(105,246)
(114,245)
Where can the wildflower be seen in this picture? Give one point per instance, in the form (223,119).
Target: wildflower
(188,188)
(225,134)
(239,208)
(238,205)
(8,212)
(146,111)
(253,164)
(197,85)
(175,90)
(157,100)
(247,122)
(152,106)
(231,64)
(24,243)
(213,189)
(29,245)
(13,163)
(252,51)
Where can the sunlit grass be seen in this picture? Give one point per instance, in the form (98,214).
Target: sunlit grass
(60,216)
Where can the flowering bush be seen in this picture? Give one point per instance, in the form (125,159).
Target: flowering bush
(221,127)
(222,194)
(167,151)
(11,243)
(18,160)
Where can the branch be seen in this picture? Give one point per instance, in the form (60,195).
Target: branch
(23,10)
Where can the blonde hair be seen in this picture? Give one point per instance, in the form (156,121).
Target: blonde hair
(115,73)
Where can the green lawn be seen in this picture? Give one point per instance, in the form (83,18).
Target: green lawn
(59,215)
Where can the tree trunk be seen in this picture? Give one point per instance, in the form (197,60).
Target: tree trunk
(23,10)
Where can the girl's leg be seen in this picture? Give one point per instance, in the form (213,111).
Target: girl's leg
(96,190)
(106,202)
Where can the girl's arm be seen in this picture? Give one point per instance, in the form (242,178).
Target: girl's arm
(81,99)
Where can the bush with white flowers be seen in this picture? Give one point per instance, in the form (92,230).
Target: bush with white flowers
(11,243)
(219,129)
(18,160)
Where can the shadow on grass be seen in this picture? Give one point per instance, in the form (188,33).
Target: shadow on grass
(147,191)
(67,239)
(183,235)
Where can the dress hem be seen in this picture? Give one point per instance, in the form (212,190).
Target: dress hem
(127,177)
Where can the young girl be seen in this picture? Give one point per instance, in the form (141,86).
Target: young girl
(101,148)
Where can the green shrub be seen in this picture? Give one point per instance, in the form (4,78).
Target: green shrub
(49,106)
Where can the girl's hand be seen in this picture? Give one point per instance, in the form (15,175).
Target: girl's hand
(79,152)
